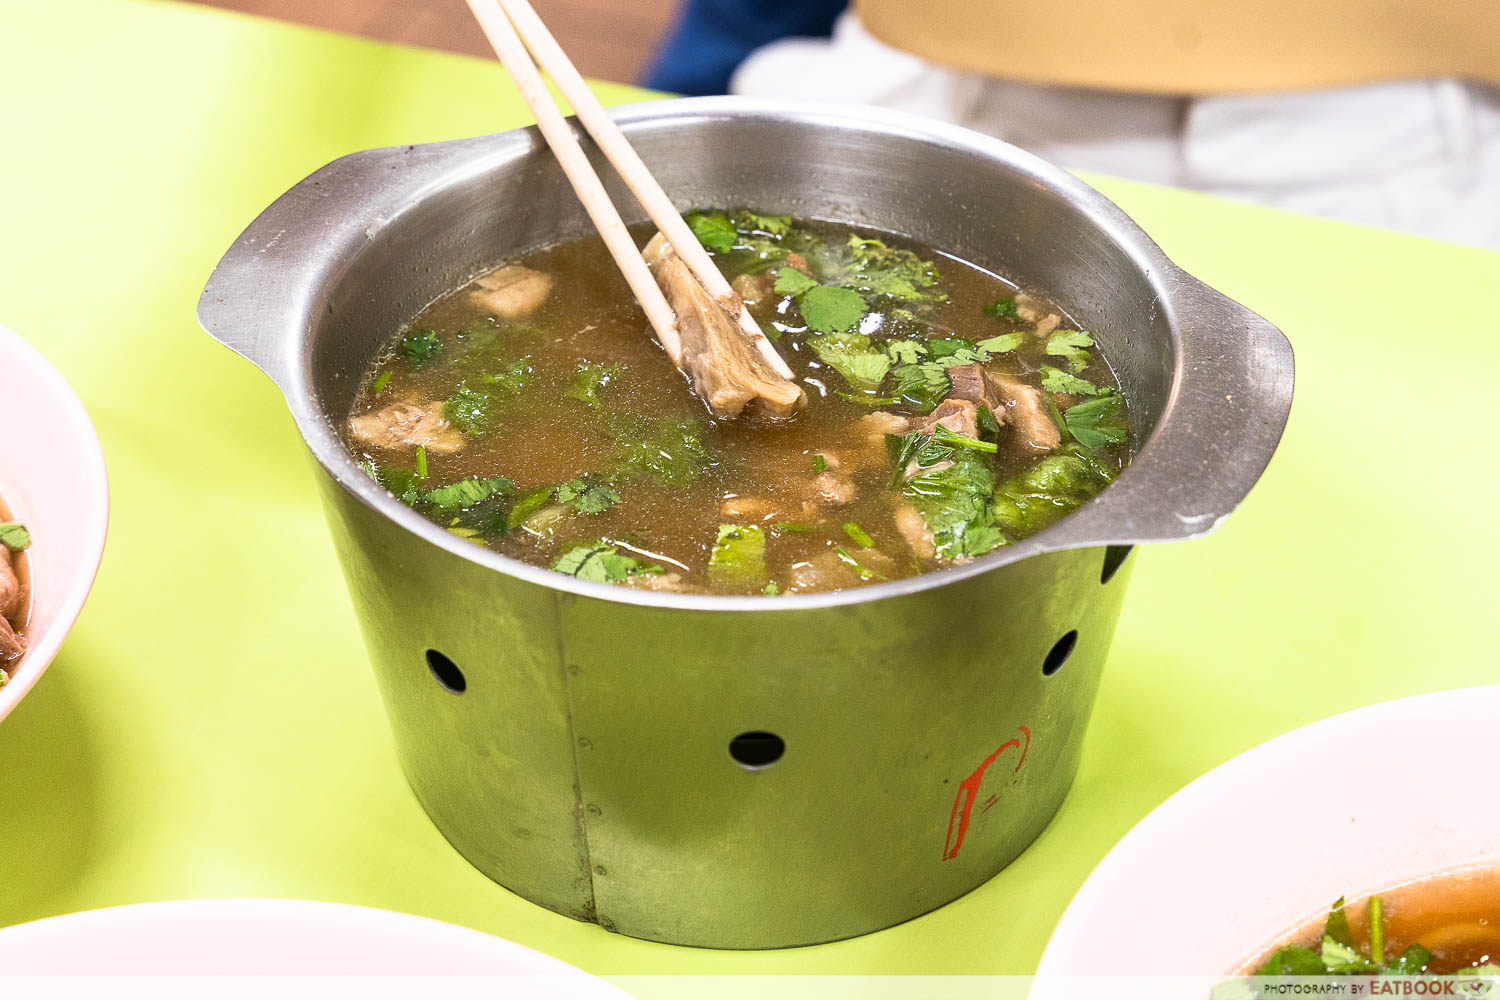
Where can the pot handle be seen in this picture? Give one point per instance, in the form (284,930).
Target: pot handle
(272,281)
(1216,434)
(253,302)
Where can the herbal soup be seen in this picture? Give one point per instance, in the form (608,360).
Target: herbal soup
(1448,925)
(936,413)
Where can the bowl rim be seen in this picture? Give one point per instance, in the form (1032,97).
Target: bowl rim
(41,650)
(1075,937)
(360,176)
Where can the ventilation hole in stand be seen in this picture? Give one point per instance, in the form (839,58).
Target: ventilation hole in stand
(446,672)
(756,751)
(1059,653)
(1114,558)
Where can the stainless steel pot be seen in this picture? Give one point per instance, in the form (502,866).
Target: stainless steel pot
(746,772)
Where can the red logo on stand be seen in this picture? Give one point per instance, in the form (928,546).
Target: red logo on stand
(968,791)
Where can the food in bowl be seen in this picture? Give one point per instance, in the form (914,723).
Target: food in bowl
(1439,926)
(948,413)
(14,591)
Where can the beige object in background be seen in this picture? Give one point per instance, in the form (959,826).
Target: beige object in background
(1198,46)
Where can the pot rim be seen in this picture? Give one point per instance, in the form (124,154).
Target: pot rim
(1127,512)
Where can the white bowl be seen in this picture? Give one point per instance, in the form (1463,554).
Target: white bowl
(1253,850)
(52,479)
(286,937)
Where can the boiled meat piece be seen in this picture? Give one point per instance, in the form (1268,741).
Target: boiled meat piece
(973,383)
(726,368)
(512,291)
(913,528)
(1032,429)
(406,425)
(1015,404)
(958,415)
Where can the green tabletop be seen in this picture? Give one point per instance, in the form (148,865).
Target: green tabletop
(212,727)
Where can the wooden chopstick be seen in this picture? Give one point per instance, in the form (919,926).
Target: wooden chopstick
(575,164)
(550,55)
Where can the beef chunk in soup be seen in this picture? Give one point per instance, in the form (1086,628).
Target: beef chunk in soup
(930,432)
(512,291)
(406,425)
(913,528)
(727,370)
(1032,428)
(973,383)
(870,432)
(957,415)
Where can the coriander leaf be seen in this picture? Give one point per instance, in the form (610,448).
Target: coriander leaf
(944,346)
(903,450)
(989,427)
(738,558)
(954,501)
(877,269)
(1342,959)
(1411,962)
(850,354)
(774,225)
(1337,926)
(1002,307)
(420,347)
(466,493)
(587,495)
(858,535)
(468,410)
(590,379)
(942,435)
(1097,423)
(402,483)
(1002,344)
(602,563)
(1293,961)
(14,536)
(953,351)
(383,380)
(905,352)
(1056,380)
(1056,485)
(790,281)
(922,386)
(527,506)
(669,449)
(831,310)
(512,378)
(714,231)
(758,253)
(771,590)
(1070,344)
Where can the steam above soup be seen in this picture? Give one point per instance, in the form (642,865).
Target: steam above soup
(937,412)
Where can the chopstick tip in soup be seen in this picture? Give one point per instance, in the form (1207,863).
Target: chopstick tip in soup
(937,413)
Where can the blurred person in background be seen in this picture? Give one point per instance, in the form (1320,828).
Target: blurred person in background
(1382,112)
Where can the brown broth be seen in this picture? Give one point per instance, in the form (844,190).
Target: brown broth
(541,437)
(1456,916)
